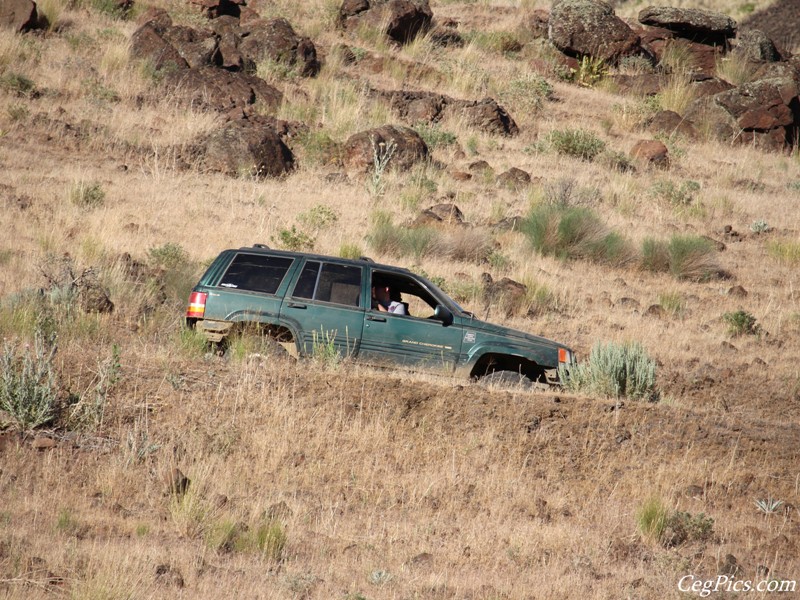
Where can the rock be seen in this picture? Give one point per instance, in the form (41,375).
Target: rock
(167,575)
(586,28)
(41,442)
(694,24)
(409,148)
(643,84)
(148,42)
(276,39)
(629,303)
(214,9)
(485,115)
(400,20)
(248,146)
(445,214)
(176,482)
(424,559)
(755,45)
(223,91)
(93,296)
(671,123)
(197,48)
(656,310)
(279,511)
(651,152)
(737,291)
(514,178)
(446,37)
(480,166)
(761,112)
(728,347)
(18,15)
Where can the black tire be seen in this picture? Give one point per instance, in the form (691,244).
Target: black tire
(507,379)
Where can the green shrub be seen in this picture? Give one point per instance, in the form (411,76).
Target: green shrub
(178,271)
(294,239)
(112,8)
(576,143)
(672,302)
(741,323)
(655,255)
(573,233)
(168,256)
(351,251)
(318,217)
(678,196)
(17,84)
(590,72)
(28,384)
(387,238)
(786,251)
(692,258)
(320,148)
(434,136)
(87,194)
(614,370)
(651,519)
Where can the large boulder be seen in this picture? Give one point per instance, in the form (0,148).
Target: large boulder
(18,15)
(404,147)
(400,20)
(277,40)
(148,43)
(765,113)
(704,26)
(587,28)
(247,147)
(415,106)
(223,91)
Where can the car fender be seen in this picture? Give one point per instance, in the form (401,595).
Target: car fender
(541,355)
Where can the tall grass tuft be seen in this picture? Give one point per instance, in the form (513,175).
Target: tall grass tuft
(692,258)
(28,384)
(574,233)
(651,519)
(614,370)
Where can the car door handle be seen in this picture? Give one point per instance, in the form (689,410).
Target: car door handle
(296,305)
(378,319)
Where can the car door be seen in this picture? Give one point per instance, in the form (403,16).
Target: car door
(412,340)
(326,307)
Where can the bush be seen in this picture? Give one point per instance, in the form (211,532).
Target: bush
(572,233)
(674,528)
(351,251)
(691,258)
(318,217)
(17,84)
(294,239)
(87,194)
(614,370)
(655,255)
(434,136)
(28,384)
(651,518)
(387,238)
(577,143)
(741,323)
(786,251)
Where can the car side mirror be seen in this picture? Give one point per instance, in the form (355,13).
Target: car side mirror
(443,314)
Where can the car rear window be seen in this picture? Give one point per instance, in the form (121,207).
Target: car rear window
(330,282)
(256,273)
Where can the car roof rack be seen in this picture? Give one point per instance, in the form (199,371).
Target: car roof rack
(366,259)
(262,246)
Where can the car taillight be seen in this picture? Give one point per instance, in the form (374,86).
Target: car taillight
(197,305)
(564,355)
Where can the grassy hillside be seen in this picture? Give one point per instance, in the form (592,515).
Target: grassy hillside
(327,479)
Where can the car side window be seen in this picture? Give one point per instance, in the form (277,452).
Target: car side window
(330,282)
(256,273)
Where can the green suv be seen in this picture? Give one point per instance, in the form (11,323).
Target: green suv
(305,300)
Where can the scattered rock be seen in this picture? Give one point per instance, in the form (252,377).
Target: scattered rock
(277,39)
(41,442)
(247,146)
(278,511)
(223,91)
(729,565)
(167,575)
(587,28)
(755,45)
(694,491)
(629,303)
(737,291)
(671,123)
(514,179)
(651,152)
(729,347)
(18,15)
(409,148)
(656,310)
(424,559)
(704,26)
(399,20)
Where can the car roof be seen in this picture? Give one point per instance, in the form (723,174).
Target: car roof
(264,249)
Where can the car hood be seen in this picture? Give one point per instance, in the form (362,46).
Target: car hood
(507,334)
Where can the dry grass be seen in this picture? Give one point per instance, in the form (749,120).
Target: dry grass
(398,485)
